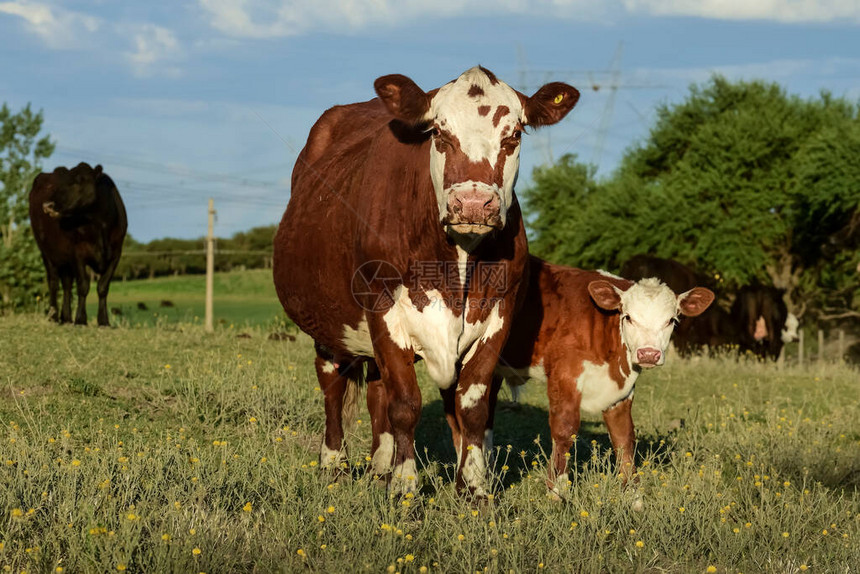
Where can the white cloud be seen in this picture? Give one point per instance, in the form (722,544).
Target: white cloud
(59,28)
(279,18)
(155,47)
(789,11)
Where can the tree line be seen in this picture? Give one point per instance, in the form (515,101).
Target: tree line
(250,249)
(740,181)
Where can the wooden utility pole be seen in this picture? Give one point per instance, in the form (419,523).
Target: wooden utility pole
(210,266)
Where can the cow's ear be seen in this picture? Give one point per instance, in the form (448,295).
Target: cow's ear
(550,104)
(605,295)
(403,98)
(694,302)
(98,170)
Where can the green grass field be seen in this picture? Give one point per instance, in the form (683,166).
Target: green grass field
(241,298)
(163,449)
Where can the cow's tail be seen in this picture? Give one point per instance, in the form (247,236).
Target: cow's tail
(349,410)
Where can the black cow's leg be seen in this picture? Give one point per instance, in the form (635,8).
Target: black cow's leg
(83,287)
(102,289)
(66,313)
(53,287)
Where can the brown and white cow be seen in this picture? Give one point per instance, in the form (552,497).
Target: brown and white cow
(588,335)
(403,238)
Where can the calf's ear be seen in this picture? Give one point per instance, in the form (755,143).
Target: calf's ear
(605,295)
(550,104)
(694,302)
(403,98)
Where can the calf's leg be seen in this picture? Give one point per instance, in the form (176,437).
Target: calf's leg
(619,421)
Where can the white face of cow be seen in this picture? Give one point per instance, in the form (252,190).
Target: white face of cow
(475,125)
(478,122)
(649,312)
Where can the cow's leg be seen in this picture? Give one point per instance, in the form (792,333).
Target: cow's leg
(66,313)
(382,445)
(564,420)
(491,416)
(472,407)
(83,288)
(619,421)
(53,287)
(449,405)
(102,288)
(395,360)
(333,385)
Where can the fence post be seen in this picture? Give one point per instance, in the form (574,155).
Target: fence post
(210,267)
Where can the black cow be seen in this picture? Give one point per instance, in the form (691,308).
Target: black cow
(78,220)
(714,329)
(764,323)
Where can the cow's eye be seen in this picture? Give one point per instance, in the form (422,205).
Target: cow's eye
(518,134)
(626,318)
(436,132)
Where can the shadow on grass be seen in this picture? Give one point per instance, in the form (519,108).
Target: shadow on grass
(526,429)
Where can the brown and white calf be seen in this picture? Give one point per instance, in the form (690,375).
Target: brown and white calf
(588,335)
(403,237)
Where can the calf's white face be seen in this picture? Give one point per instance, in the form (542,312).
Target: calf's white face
(649,311)
(475,125)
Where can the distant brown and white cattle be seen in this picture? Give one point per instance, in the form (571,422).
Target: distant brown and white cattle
(588,335)
(763,321)
(403,237)
(79,221)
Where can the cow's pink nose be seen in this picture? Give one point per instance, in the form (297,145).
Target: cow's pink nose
(474,206)
(648,356)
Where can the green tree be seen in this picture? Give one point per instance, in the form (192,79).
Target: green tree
(717,184)
(827,188)
(553,205)
(21,153)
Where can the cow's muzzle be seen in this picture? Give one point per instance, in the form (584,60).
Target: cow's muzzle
(648,357)
(474,211)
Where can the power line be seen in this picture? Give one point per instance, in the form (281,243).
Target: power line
(150,166)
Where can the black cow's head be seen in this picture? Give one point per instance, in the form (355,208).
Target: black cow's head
(72,189)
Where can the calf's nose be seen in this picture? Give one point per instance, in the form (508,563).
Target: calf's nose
(648,356)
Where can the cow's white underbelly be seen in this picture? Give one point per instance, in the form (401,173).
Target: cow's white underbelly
(434,333)
(599,391)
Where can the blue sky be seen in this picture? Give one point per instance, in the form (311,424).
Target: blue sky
(188,99)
